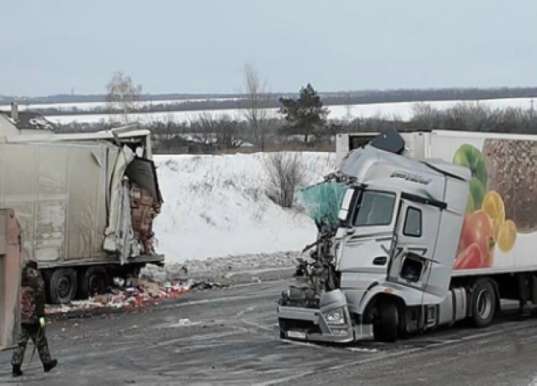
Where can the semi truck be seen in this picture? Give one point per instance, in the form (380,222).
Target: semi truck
(431,228)
(85,203)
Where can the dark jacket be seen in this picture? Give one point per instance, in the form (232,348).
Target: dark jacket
(32,296)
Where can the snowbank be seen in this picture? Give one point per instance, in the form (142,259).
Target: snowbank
(215,205)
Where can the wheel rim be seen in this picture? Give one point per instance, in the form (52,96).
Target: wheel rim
(484,304)
(95,284)
(64,287)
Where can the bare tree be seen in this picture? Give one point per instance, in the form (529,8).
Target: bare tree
(122,94)
(256,101)
(285,173)
(216,130)
(348,106)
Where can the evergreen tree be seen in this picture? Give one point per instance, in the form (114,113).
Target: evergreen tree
(306,115)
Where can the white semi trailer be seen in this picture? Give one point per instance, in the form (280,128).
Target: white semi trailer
(85,203)
(434,227)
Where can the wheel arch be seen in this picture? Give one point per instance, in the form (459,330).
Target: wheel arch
(371,302)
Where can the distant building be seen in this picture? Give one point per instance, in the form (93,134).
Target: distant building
(17,122)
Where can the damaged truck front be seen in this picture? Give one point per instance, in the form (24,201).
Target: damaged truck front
(85,202)
(383,266)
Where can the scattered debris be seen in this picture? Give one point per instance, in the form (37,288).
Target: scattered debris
(137,293)
(207,284)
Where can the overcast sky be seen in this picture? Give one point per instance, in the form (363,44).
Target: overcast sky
(198,46)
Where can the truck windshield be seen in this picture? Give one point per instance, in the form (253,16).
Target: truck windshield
(375,208)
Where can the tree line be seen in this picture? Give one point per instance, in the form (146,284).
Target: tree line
(302,122)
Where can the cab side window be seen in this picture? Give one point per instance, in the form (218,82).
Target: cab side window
(413,224)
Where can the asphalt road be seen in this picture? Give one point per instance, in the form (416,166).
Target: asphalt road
(229,336)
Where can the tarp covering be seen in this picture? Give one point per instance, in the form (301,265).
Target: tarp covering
(119,235)
(323,201)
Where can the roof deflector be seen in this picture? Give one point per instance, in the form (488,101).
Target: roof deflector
(389,140)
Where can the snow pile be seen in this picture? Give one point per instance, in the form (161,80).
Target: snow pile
(225,271)
(215,205)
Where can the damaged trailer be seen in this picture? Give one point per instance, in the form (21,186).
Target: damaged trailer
(418,242)
(85,203)
(10,276)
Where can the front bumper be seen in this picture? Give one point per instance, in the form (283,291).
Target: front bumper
(309,324)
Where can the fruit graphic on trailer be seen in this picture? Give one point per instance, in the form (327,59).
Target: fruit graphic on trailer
(512,172)
(478,228)
(494,207)
(469,156)
(471,257)
(477,192)
(507,236)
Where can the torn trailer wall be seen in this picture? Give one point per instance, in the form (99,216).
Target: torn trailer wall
(135,201)
(10,275)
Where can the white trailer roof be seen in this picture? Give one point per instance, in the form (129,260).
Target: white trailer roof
(100,135)
(483,134)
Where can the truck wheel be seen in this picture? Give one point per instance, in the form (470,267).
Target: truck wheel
(483,304)
(282,324)
(386,323)
(94,280)
(62,285)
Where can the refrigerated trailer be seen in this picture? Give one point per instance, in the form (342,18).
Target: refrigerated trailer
(433,228)
(85,203)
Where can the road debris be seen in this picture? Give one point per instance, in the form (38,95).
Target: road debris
(137,293)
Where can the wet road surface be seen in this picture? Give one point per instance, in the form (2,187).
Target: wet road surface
(230,336)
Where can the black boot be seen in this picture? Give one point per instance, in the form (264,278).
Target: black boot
(50,365)
(17,372)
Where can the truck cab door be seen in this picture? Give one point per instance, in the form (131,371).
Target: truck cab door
(364,245)
(413,257)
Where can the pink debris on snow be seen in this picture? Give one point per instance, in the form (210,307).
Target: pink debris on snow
(141,293)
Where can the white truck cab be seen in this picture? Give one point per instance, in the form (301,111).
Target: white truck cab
(399,225)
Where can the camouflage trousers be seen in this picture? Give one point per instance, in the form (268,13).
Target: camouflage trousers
(37,334)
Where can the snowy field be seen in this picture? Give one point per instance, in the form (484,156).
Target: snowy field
(86,106)
(215,205)
(400,110)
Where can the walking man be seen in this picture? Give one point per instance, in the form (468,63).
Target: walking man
(32,319)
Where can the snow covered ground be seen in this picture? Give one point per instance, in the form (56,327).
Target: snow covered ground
(149,117)
(400,110)
(86,106)
(215,205)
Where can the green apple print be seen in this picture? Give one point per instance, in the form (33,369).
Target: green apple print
(469,156)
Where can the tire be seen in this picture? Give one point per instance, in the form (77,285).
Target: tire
(282,324)
(386,324)
(62,285)
(483,303)
(94,280)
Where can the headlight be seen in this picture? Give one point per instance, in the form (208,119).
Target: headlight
(335,316)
